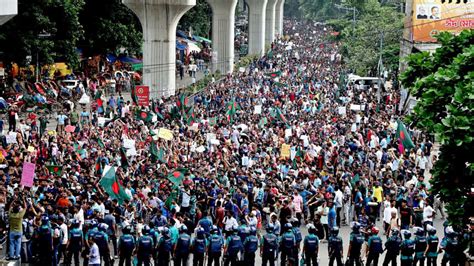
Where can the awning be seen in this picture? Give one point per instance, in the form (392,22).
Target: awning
(201,39)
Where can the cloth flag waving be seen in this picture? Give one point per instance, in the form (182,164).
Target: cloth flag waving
(273,74)
(55,169)
(403,137)
(231,107)
(144,116)
(112,186)
(177,176)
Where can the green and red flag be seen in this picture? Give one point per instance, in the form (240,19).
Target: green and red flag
(144,116)
(172,197)
(55,169)
(231,107)
(279,84)
(274,74)
(403,137)
(281,116)
(161,155)
(112,185)
(177,176)
(263,121)
(123,158)
(190,116)
(213,121)
(134,96)
(182,102)
(153,152)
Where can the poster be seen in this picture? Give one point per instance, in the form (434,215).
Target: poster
(27,174)
(341,110)
(285,151)
(165,134)
(128,143)
(143,95)
(11,138)
(257,109)
(288,133)
(433,16)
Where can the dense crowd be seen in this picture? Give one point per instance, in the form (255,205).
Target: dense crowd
(253,162)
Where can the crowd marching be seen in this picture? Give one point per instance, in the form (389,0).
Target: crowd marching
(268,162)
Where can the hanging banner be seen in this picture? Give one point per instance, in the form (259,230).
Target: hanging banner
(143,95)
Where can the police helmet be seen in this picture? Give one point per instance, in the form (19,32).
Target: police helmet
(406,234)
(395,232)
(183,229)
(450,231)
(215,229)
(146,229)
(165,232)
(431,230)
(355,226)
(127,229)
(253,230)
(419,231)
(103,227)
(288,226)
(270,228)
(200,232)
(335,231)
(94,223)
(312,229)
(44,219)
(235,229)
(75,223)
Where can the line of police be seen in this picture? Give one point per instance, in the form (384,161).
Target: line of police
(158,245)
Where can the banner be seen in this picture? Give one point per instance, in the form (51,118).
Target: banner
(285,151)
(27,174)
(433,16)
(143,95)
(165,134)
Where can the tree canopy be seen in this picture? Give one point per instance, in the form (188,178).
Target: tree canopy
(443,83)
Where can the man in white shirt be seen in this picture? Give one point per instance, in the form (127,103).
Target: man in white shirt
(389,207)
(428,213)
(229,223)
(65,235)
(338,204)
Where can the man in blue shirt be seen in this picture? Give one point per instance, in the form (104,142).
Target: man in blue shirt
(331,215)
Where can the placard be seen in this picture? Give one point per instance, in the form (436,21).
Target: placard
(341,110)
(128,143)
(257,109)
(288,133)
(285,151)
(165,134)
(70,128)
(143,95)
(11,138)
(27,174)
(357,107)
(31,149)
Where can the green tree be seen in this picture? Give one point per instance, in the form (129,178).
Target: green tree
(444,86)
(319,9)
(21,36)
(109,25)
(198,18)
(292,9)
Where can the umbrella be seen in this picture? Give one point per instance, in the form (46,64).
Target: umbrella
(3,104)
(193,47)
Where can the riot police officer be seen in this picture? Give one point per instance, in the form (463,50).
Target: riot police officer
(311,246)
(165,246)
(374,247)
(216,242)
(232,247)
(145,247)
(335,247)
(75,243)
(420,246)
(182,247)
(102,240)
(269,246)
(451,246)
(126,246)
(298,238)
(287,245)
(407,248)
(432,242)
(44,242)
(393,247)
(199,247)
(357,239)
(250,247)
(92,229)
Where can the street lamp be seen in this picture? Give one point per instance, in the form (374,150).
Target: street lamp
(42,35)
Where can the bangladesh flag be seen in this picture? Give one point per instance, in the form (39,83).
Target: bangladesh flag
(281,116)
(153,152)
(231,107)
(279,84)
(177,175)
(55,169)
(172,197)
(213,121)
(404,138)
(190,116)
(274,74)
(161,155)
(144,116)
(134,96)
(112,186)
(270,54)
(182,102)
(123,158)
(263,122)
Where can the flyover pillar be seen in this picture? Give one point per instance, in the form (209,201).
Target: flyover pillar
(257,14)
(279,17)
(159,19)
(270,22)
(223,21)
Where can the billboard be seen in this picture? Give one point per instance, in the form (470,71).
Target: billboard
(433,16)
(143,95)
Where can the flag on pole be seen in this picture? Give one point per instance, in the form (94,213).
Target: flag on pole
(112,186)
(55,169)
(177,176)
(403,136)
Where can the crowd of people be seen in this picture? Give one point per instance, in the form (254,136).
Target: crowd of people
(258,159)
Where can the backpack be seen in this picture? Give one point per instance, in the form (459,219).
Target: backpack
(270,243)
(376,245)
(145,245)
(100,240)
(357,242)
(199,245)
(298,236)
(183,244)
(235,245)
(311,243)
(288,242)
(251,244)
(166,245)
(127,244)
(216,243)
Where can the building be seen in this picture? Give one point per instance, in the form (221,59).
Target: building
(8,9)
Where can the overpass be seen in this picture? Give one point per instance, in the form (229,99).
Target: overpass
(159,19)
(8,9)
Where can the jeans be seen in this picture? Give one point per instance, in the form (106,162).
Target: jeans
(15,244)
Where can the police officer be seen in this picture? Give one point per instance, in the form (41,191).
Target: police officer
(126,247)
(287,244)
(145,247)
(311,246)
(298,237)
(250,247)
(91,231)
(356,239)
(154,234)
(75,243)
(420,246)
(407,248)
(393,247)
(101,238)
(374,247)
(244,231)
(269,246)
(335,247)
(216,242)
(44,242)
(182,247)
(450,245)
(432,242)
(232,247)
(199,247)
(165,247)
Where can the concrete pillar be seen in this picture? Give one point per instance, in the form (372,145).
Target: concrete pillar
(159,19)
(257,26)
(279,17)
(270,22)
(223,21)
